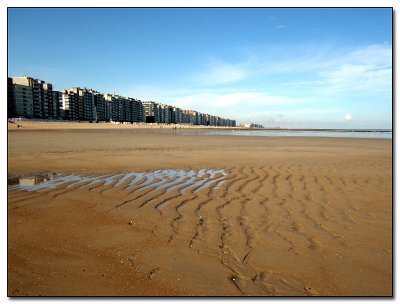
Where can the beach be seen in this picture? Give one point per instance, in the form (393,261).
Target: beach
(167,213)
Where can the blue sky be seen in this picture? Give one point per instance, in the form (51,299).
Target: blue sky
(316,68)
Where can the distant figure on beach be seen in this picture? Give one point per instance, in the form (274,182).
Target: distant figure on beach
(19,126)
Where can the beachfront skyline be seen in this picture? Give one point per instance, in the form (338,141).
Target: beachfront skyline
(317,68)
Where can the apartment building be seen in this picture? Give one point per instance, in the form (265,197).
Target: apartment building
(39,106)
(34,98)
(152,111)
(165,113)
(29,97)
(177,115)
(46,96)
(118,112)
(89,109)
(86,109)
(55,105)
(252,125)
(189,117)
(136,110)
(70,107)
(11,111)
(23,97)
(125,109)
(103,107)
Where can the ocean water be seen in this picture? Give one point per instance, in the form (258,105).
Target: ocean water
(310,133)
(182,131)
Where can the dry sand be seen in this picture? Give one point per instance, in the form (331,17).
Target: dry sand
(295,216)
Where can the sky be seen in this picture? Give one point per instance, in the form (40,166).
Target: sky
(296,68)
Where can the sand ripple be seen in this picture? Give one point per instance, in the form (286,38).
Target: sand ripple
(246,219)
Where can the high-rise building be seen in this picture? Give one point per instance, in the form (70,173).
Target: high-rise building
(30,97)
(166,114)
(70,107)
(124,109)
(152,111)
(103,107)
(118,112)
(86,105)
(46,97)
(34,98)
(127,109)
(55,105)
(11,112)
(136,110)
(177,115)
(109,100)
(89,112)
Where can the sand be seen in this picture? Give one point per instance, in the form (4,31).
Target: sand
(295,216)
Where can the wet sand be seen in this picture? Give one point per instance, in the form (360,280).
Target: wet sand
(293,216)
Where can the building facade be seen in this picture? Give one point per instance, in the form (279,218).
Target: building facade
(85,108)
(137,110)
(152,111)
(55,105)
(11,111)
(70,107)
(34,98)
(29,97)
(103,107)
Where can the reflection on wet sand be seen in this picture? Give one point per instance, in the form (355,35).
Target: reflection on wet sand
(169,180)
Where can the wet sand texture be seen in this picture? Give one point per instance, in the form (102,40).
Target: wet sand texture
(278,216)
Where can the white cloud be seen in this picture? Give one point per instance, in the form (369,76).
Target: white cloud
(270,60)
(375,55)
(279,59)
(218,72)
(216,100)
(348,117)
(364,69)
(304,80)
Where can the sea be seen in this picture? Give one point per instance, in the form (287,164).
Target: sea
(306,133)
(183,130)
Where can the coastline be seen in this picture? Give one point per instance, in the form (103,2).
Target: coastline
(51,125)
(195,130)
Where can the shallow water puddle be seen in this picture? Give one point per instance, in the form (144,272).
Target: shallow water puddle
(168,180)
(163,204)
